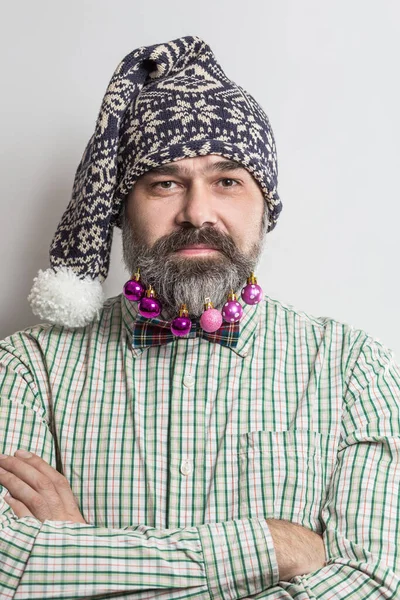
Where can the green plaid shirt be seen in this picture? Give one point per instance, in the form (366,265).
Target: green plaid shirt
(177,453)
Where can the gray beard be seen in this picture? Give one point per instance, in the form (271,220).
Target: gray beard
(178,279)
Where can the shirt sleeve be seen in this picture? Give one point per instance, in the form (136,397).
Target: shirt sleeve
(62,559)
(361,514)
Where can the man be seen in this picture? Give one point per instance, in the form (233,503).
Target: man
(259,459)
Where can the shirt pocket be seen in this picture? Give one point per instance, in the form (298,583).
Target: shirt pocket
(284,474)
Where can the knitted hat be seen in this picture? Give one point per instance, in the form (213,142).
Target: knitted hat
(164,103)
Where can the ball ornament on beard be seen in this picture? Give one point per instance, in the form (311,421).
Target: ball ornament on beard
(211,319)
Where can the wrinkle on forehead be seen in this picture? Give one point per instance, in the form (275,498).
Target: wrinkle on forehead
(180,169)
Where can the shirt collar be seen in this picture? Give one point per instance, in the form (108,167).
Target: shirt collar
(248,324)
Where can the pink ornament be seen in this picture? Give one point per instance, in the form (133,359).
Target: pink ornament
(211,320)
(252,292)
(232,311)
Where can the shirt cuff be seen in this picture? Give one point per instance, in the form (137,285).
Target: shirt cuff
(239,558)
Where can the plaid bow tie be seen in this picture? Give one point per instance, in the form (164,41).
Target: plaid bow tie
(155,332)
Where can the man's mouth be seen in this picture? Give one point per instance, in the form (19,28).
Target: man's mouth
(197,249)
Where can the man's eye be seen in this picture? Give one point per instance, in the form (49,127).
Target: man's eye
(228,179)
(165,185)
(161,183)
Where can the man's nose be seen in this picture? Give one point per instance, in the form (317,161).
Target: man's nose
(198,206)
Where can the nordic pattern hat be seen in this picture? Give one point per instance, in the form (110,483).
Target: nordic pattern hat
(164,103)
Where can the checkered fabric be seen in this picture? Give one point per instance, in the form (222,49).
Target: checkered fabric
(179,454)
(154,332)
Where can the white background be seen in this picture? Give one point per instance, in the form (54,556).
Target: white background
(327,75)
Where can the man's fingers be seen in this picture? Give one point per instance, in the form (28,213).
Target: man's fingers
(29,473)
(18,507)
(44,491)
(20,490)
(59,482)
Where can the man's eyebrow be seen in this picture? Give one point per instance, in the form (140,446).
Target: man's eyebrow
(221,165)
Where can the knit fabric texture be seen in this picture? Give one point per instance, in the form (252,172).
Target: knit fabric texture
(164,102)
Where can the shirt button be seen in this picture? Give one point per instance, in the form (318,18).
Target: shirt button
(188,381)
(186,467)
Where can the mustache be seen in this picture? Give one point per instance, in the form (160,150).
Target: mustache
(191,236)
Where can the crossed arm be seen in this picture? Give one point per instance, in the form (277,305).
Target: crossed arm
(210,561)
(39,491)
(271,559)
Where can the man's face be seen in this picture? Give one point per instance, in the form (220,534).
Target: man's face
(206,200)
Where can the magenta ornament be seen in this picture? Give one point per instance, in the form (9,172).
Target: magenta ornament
(149,306)
(134,290)
(232,310)
(252,293)
(211,319)
(181,325)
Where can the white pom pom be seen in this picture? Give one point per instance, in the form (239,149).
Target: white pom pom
(64,299)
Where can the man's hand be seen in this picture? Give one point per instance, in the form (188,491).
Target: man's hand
(37,489)
(298,549)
